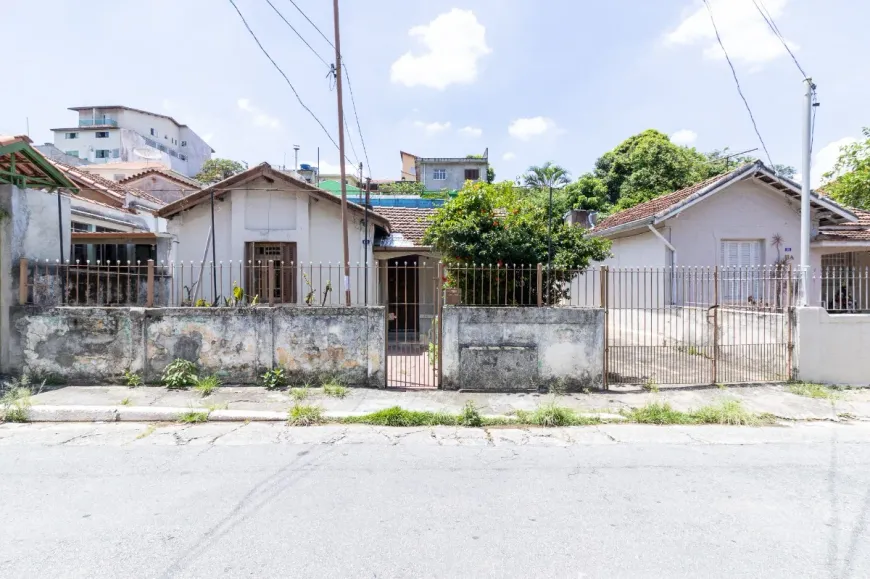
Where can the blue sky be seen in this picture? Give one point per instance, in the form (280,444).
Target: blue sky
(532,81)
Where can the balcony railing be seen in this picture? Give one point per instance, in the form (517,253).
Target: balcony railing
(97,122)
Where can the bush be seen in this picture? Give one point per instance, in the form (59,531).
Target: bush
(132,379)
(180,374)
(274,379)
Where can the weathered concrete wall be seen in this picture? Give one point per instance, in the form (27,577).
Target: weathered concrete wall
(96,345)
(522,348)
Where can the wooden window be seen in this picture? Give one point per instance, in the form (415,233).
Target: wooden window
(257,256)
(472,174)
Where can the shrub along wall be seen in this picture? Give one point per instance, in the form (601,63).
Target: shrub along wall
(96,345)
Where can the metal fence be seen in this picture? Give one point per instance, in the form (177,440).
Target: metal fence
(204,284)
(843,289)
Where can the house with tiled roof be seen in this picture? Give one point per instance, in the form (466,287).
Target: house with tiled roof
(746,217)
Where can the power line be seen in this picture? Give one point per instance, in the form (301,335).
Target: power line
(275,64)
(765,13)
(278,12)
(737,82)
(349,85)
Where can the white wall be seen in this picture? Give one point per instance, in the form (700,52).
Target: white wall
(87,143)
(833,349)
(642,249)
(270,212)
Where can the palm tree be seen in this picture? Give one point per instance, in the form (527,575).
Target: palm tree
(547,175)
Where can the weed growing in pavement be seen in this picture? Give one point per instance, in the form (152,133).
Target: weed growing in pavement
(721,386)
(274,379)
(193,417)
(335,389)
(180,374)
(650,385)
(217,406)
(657,413)
(729,412)
(559,387)
(470,416)
(126,402)
(132,379)
(300,394)
(397,416)
(147,432)
(15,399)
(811,390)
(304,415)
(206,386)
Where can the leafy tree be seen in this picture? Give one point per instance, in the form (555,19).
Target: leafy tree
(215,170)
(720,162)
(786,171)
(546,176)
(849,181)
(499,225)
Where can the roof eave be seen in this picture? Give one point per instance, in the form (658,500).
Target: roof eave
(622,227)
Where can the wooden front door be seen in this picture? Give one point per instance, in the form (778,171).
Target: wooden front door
(257,257)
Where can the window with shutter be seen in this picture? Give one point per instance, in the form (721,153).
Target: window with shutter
(740,276)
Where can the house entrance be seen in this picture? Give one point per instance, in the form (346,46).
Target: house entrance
(413,325)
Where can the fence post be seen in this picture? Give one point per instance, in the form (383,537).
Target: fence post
(715,322)
(270,285)
(439,313)
(540,284)
(22,281)
(602,273)
(149,295)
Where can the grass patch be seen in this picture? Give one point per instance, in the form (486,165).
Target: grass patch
(304,415)
(193,417)
(217,406)
(126,402)
(299,394)
(730,412)
(811,390)
(397,416)
(206,386)
(657,413)
(551,415)
(335,389)
(15,404)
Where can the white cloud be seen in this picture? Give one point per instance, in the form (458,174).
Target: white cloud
(824,160)
(684,137)
(260,118)
(471,131)
(454,42)
(525,129)
(508,156)
(745,34)
(432,128)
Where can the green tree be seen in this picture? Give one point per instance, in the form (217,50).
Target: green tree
(215,170)
(849,181)
(546,176)
(401,188)
(499,225)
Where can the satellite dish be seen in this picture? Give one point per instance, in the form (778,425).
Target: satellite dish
(147,153)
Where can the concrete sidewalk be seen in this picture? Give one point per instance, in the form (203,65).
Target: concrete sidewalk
(152,403)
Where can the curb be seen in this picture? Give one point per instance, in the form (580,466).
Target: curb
(82,413)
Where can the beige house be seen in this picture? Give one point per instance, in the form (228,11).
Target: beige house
(745,218)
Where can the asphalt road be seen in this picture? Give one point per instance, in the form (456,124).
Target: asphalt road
(262,500)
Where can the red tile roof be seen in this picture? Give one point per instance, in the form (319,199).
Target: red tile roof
(410,222)
(93,181)
(855,232)
(654,206)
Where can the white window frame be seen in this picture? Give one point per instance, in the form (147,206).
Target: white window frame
(102,135)
(71,136)
(740,271)
(107,152)
(439,174)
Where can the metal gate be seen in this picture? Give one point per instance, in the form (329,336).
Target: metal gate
(413,323)
(699,325)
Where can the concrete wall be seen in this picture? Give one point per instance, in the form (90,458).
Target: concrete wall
(522,349)
(96,345)
(833,348)
(455,173)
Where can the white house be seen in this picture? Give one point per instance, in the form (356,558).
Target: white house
(117,133)
(263,215)
(748,217)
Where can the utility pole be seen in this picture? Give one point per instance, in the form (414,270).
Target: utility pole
(806,190)
(342,170)
(549,240)
(367,241)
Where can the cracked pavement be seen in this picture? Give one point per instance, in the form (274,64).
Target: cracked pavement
(263,499)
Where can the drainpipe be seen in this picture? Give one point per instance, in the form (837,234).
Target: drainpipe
(673,262)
